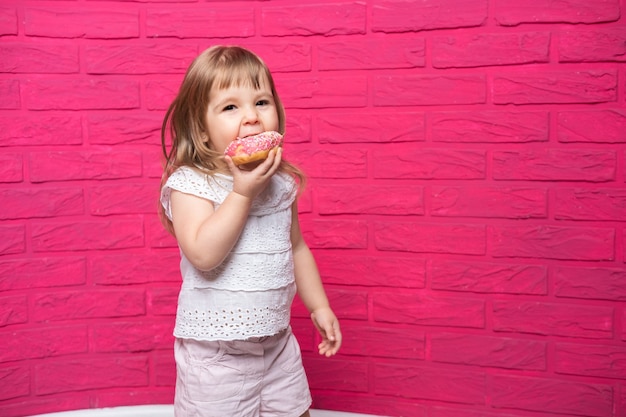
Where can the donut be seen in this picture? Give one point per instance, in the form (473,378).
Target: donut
(253,148)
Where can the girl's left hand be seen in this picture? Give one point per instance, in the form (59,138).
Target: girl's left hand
(328,326)
(250,180)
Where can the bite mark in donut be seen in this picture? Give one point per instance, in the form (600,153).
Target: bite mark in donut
(253,148)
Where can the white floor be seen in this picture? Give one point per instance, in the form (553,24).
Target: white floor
(164,411)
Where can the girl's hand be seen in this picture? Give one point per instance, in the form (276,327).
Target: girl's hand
(251,182)
(328,326)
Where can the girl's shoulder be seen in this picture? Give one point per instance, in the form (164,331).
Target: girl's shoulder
(192,181)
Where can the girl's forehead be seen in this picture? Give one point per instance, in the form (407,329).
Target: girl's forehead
(241,79)
(241,88)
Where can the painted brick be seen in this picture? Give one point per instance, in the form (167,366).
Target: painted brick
(408,343)
(329,163)
(13,310)
(590,283)
(623,316)
(40,343)
(164,374)
(329,374)
(285,56)
(13,239)
(484,277)
(95,94)
(159,94)
(153,165)
(430,383)
(498,202)
(552,396)
(351,199)
(591,86)
(593,360)
(592,46)
(162,301)
(138,59)
(123,128)
(304,332)
(490,127)
(348,304)
(435,238)
(298,129)
(122,199)
(36,58)
(590,204)
(76,305)
(433,90)
(430,164)
(600,126)
(11,167)
(465,412)
(305,202)
(157,236)
(8,21)
(90,373)
(42,405)
(10,93)
(555,165)
(401,16)
(139,336)
(41,130)
(372,54)
(370,127)
(569,320)
(322,92)
(497,352)
(123,269)
(24,203)
(335,234)
(84,165)
(553,242)
(372,405)
(407,272)
(36,272)
(347,18)
(512,12)
(490,49)
(87,235)
(15,381)
(428,310)
(194,22)
(76,22)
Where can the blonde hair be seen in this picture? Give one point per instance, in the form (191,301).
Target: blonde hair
(217,67)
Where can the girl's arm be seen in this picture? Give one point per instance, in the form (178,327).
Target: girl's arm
(205,235)
(311,290)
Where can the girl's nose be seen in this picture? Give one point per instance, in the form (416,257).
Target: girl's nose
(251,115)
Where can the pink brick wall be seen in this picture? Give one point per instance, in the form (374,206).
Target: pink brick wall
(467,199)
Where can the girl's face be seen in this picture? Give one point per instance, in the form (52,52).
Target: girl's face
(239,111)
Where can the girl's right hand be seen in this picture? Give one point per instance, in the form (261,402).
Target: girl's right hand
(250,183)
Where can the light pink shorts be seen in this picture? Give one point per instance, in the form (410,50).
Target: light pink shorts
(261,376)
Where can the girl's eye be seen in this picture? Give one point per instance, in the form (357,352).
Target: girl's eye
(229,107)
(262,102)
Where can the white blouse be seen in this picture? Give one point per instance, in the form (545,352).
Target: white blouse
(250,293)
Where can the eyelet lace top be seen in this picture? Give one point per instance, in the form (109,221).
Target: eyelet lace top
(250,293)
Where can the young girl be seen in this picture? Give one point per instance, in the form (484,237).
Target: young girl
(243,257)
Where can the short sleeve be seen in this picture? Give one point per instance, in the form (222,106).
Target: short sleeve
(190,181)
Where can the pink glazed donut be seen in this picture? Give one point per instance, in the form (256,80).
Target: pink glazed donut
(253,148)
